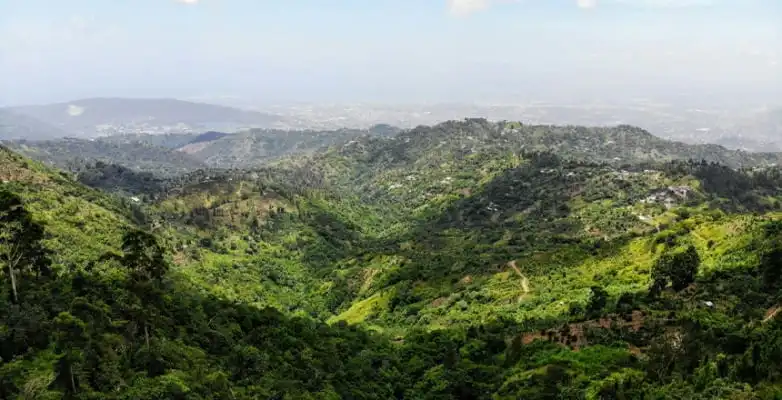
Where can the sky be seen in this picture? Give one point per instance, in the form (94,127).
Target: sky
(394,51)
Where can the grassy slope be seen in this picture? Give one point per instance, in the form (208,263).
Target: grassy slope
(82,223)
(431,241)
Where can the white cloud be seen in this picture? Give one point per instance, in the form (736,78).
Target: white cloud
(586,3)
(187,1)
(466,7)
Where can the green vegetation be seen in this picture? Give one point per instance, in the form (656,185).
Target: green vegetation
(73,154)
(172,154)
(169,155)
(470,260)
(256,147)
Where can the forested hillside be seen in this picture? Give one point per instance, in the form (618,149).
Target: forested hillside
(254,148)
(170,154)
(72,154)
(167,155)
(469,260)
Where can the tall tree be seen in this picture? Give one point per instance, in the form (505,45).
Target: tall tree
(70,334)
(144,258)
(21,238)
(143,255)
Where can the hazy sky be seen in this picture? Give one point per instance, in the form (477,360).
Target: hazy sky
(388,50)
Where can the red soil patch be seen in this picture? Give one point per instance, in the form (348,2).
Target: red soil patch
(575,335)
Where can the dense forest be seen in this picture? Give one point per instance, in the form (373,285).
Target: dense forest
(468,260)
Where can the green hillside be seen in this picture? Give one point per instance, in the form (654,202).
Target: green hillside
(379,146)
(72,154)
(81,223)
(470,260)
(172,154)
(256,147)
(426,225)
(616,145)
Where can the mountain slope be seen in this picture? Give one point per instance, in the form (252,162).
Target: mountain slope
(550,253)
(256,147)
(83,223)
(457,213)
(136,155)
(89,322)
(445,271)
(167,140)
(170,154)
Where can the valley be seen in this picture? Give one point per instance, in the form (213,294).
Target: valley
(391,200)
(465,260)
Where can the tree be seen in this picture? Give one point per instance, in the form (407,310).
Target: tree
(20,241)
(70,338)
(678,267)
(771,266)
(513,353)
(597,301)
(771,259)
(143,256)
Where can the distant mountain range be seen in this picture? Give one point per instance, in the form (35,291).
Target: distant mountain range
(746,129)
(111,116)
(759,130)
(172,154)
